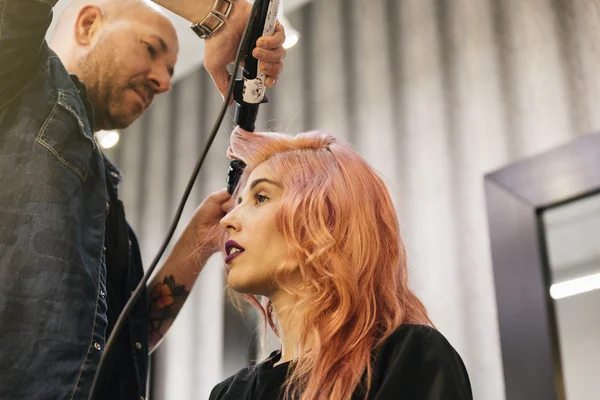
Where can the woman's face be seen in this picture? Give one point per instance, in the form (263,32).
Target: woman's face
(254,246)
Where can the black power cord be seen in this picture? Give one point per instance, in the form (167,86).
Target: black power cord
(102,372)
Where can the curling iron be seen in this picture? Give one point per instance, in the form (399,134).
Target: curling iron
(250,93)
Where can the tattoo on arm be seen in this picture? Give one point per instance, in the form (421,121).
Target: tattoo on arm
(166,300)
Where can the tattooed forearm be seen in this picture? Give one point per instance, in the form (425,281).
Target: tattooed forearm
(166,299)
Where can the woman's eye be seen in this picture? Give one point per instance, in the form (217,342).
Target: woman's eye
(260,198)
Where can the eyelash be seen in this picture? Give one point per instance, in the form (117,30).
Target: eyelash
(257,198)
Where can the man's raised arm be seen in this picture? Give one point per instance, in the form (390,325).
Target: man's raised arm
(23,26)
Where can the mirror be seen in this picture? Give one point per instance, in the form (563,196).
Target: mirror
(572,232)
(544,223)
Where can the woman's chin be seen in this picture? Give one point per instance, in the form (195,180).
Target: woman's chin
(237,282)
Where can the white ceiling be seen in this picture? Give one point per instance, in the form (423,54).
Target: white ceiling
(191,47)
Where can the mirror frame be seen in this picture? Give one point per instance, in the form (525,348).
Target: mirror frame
(516,196)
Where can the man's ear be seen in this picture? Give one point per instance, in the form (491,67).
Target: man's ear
(89,19)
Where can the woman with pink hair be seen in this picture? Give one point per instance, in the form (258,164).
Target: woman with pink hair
(313,231)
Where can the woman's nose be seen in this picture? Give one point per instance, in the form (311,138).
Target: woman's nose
(230,221)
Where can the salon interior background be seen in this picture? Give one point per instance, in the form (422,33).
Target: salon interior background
(434,93)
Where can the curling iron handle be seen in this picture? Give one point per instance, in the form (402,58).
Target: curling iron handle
(250,90)
(254,80)
(270,23)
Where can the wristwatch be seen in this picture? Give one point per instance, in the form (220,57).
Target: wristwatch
(214,20)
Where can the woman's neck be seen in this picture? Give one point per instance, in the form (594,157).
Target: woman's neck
(289,324)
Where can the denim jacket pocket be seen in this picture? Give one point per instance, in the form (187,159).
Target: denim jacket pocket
(67,134)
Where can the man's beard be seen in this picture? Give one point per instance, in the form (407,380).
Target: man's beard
(107,94)
(117,114)
(111,111)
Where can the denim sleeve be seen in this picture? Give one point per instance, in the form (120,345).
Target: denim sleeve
(23,26)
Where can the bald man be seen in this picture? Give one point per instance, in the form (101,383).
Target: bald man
(68,259)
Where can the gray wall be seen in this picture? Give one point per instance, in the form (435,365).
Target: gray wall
(434,94)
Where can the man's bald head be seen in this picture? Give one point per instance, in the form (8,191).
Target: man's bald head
(123,50)
(111,10)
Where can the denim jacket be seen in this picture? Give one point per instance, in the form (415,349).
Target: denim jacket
(53,212)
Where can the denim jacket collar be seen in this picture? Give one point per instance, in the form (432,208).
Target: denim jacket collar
(83,93)
(113,172)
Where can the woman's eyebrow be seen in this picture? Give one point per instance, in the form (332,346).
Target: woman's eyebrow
(265,180)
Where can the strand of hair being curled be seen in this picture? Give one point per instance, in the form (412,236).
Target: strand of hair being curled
(338,218)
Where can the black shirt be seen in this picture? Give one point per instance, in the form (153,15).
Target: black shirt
(415,363)
(129,358)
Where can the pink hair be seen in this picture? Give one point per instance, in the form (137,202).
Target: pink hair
(338,218)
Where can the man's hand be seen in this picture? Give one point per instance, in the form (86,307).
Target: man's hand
(220,49)
(201,238)
(203,227)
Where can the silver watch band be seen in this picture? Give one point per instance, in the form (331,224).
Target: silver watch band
(214,20)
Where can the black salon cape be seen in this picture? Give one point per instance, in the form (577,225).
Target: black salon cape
(415,363)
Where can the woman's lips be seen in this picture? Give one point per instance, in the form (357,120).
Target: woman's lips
(232,249)
(232,256)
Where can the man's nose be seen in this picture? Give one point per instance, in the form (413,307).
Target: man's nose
(160,79)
